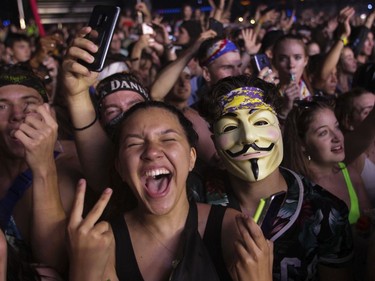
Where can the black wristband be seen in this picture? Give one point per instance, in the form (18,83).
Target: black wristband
(88,126)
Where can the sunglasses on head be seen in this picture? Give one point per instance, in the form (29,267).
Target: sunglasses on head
(314,101)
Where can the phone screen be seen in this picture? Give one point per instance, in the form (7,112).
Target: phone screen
(267,212)
(103,21)
(261,61)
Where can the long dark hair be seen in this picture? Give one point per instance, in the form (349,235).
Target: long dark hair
(295,128)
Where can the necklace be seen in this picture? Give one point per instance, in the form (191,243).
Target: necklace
(156,238)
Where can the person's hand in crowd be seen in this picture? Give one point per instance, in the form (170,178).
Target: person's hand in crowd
(76,77)
(52,65)
(143,42)
(202,37)
(290,93)
(250,40)
(268,75)
(263,15)
(254,253)
(142,7)
(370,19)
(287,22)
(157,47)
(46,46)
(258,11)
(38,134)
(343,20)
(90,241)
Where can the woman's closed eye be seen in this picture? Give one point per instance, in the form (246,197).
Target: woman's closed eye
(134,144)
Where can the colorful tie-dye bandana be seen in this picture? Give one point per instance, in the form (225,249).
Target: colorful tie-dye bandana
(217,50)
(243,98)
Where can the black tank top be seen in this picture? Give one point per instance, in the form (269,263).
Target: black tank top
(212,240)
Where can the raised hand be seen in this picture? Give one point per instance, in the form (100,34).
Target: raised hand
(38,134)
(344,21)
(268,75)
(254,253)
(90,241)
(250,39)
(76,77)
(285,22)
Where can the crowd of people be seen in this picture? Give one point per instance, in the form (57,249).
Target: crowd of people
(154,167)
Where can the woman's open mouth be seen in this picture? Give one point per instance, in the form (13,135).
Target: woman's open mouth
(156,182)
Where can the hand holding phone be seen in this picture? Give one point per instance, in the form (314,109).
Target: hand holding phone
(261,61)
(103,21)
(216,26)
(267,211)
(147,29)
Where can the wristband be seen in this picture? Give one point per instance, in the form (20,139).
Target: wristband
(344,40)
(87,126)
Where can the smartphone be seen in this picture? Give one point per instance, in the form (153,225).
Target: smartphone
(147,29)
(261,61)
(103,21)
(267,211)
(216,26)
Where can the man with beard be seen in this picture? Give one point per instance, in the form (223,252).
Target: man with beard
(311,232)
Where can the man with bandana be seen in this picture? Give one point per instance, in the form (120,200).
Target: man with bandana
(311,232)
(220,58)
(37,185)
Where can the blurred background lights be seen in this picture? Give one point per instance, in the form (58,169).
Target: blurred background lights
(363,16)
(252,21)
(240,19)
(369,6)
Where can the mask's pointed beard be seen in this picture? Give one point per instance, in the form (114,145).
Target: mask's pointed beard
(255,167)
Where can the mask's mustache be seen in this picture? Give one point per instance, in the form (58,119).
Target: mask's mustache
(246,148)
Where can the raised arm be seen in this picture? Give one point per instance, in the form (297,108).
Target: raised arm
(93,145)
(38,134)
(370,20)
(333,55)
(251,46)
(169,75)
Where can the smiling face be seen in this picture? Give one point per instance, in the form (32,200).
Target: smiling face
(324,141)
(290,58)
(16,102)
(249,143)
(154,159)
